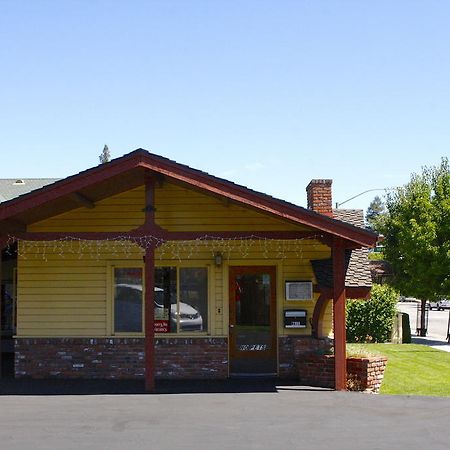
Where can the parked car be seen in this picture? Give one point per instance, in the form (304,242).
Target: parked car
(402,298)
(439,305)
(190,319)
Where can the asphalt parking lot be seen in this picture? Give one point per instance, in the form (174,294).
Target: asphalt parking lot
(285,417)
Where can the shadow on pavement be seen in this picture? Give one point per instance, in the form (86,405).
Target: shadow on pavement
(429,341)
(126,387)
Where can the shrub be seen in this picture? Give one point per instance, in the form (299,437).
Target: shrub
(371,320)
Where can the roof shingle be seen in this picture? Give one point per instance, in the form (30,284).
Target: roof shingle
(357,272)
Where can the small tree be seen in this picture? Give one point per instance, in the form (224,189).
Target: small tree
(374,212)
(105,156)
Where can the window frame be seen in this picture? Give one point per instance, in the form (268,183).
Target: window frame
(112,265)
(111,303)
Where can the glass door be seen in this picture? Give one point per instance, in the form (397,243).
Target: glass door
(252,320)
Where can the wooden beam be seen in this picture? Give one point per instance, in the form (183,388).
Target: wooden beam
(149,292)
(82,200)
(326,294)
(156,231)
(159,179)
(12,226)
(2,243)
(319,308)
(211,235)
(150,202)
(149,319)
(340,361)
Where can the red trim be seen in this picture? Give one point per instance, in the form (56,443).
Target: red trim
(340,360)
(3,243)
(350,292)
(160,233)
(326,294)
(211,235)
(206,182)
(68,185)
(149,319)
(149,202)
(262,202)
(1,299)
(316,324)
(357,292)
(149,290)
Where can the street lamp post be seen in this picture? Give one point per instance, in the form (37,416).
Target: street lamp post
(357,195)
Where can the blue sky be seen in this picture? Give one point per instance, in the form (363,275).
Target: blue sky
(268,94)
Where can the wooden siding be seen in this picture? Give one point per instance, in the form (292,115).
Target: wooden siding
(121,212)
(61,293)
(64,295)
(182,209)
(65,292)
(177,209)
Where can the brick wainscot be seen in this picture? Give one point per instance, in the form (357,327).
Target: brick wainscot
(120,358)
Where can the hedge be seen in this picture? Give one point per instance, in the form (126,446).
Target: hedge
(371,320)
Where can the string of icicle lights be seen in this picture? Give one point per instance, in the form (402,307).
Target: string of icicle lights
(129,247)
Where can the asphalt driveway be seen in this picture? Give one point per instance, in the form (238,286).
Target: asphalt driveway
(266,417)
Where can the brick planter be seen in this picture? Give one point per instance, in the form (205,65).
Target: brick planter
(363,374)
(293,348)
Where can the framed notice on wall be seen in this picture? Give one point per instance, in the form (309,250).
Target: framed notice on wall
(298,290)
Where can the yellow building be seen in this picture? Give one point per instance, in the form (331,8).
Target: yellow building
(143,267)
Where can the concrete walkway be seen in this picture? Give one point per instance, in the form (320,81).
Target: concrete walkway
(268,416)
(431,341)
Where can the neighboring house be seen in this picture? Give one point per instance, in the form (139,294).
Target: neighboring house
(143,267)
(381,271)
(14,187)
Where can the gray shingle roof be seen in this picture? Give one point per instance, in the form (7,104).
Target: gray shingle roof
(357,263)
(14,187)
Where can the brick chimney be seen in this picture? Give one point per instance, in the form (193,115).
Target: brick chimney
(319,196)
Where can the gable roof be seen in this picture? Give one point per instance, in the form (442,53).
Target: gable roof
(14,187)
(131,169)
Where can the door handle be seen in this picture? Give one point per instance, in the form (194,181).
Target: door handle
(231,326)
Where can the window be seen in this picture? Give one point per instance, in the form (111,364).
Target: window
(181,300)
(128,300)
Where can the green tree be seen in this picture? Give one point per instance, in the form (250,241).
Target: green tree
(105,156)
(417,234)
(374,213)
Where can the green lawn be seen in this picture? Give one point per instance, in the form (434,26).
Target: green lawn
(411,369)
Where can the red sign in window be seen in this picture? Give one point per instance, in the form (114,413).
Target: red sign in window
(161,326)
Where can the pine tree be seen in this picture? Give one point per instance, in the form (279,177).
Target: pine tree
(374,213)
(105,156)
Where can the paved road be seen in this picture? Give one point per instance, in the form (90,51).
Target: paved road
(289,418)
(437,326)
(437,320)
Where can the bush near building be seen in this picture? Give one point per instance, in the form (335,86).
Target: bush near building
(371,320)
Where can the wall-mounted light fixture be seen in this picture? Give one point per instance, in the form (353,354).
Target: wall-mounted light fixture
(218,259)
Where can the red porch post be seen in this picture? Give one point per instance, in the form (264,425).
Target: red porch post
(3,245)
(149,289)
(340,360)
(149,319)
(1,301)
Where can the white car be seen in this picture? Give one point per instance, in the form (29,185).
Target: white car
(190,319)
(439,305)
